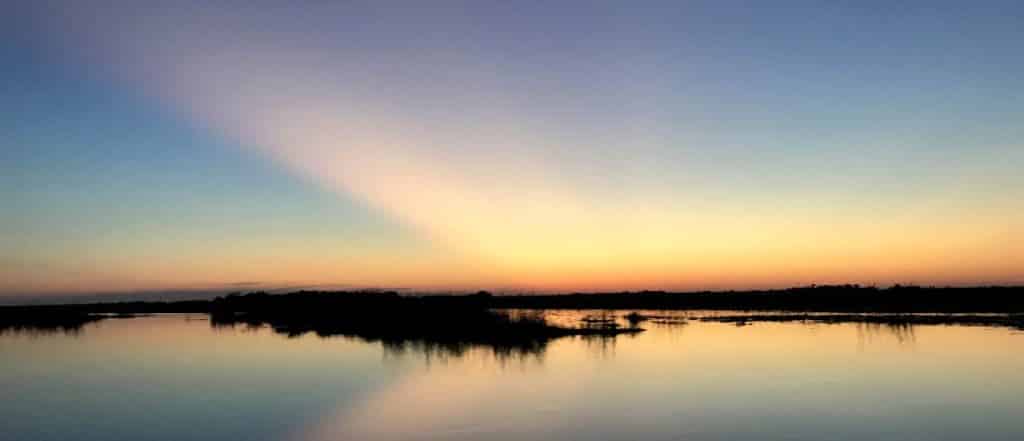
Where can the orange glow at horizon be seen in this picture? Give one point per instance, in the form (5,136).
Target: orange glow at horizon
(557,171)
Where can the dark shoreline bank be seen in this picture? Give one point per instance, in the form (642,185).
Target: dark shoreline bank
(472,318)
(1014,321)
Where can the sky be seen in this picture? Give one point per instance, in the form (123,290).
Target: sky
(515,146)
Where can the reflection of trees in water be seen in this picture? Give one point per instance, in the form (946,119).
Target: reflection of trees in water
(437,332)
(600,345)
(41,325)
(441,351)
(432,352)
(247,328)
(36,331)
(869,331)
(434,343)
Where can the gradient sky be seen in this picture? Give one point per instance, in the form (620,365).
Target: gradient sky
(509,145)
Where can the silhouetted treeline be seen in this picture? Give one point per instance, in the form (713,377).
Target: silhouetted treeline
(452,323)
(36,319)
(385,314)
(449,324)
(830,298)
(70,318)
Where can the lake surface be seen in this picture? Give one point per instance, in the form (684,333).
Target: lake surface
(177,378)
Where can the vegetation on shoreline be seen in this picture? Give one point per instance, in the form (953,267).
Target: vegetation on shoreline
(824,298)
(453,323)
(457,320)
(1015,321)
(44,320)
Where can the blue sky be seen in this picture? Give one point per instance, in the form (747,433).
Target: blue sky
(530,145)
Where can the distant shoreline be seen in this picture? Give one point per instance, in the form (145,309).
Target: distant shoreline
(817,298)
(390,314)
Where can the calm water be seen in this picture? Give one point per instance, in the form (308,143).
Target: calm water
(176,378)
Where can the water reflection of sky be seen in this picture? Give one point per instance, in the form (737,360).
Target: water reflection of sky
(170,378)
